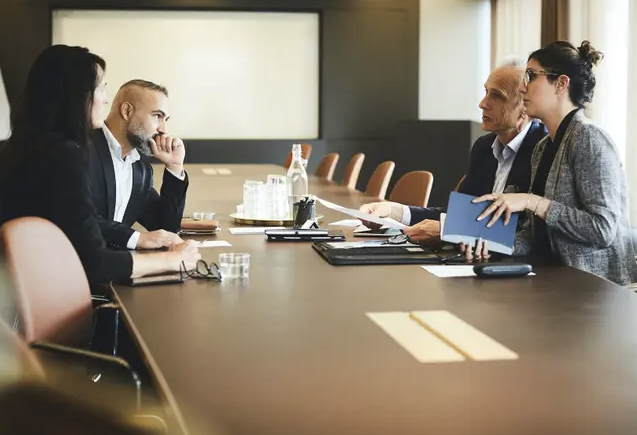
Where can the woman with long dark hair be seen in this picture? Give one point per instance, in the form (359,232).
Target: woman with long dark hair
(579,213)
(43,164)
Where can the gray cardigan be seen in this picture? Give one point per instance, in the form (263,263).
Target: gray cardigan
(587,220)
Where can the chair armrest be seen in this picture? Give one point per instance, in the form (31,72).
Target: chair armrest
(99,300)
(106,324)
(87,357)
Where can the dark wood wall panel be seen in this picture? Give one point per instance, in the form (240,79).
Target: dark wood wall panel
(368,90)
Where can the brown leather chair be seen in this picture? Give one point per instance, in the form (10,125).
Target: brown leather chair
(352,171)
(327,166)
(54,305)
(22,359)
(460,182)
(306,152)
(379,181)
(413,188)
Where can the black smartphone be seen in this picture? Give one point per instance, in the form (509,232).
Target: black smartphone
(173,278)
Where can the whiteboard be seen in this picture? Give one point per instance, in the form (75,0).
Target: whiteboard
(230,75)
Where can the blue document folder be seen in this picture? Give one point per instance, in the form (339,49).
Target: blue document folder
(461,225)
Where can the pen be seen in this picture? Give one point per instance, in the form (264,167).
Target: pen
(444,260)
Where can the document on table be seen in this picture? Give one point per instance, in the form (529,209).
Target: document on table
(386,222)
(454,271)
(213,244)
(244,231)
(347,223)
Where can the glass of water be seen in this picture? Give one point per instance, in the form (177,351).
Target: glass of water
(234,265)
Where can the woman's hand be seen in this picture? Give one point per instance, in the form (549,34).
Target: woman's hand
(481,252)
(504,203)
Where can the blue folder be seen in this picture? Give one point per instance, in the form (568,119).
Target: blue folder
(461,225)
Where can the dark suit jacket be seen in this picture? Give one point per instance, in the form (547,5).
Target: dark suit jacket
(483,165)
(146,206)
(54,185)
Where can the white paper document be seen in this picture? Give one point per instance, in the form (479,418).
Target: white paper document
(388,223)
(209,171)
(213,244)
(347,223)
(224,171)
(372,244)
(454,271)
(244,231)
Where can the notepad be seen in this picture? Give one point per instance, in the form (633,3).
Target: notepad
(461,225)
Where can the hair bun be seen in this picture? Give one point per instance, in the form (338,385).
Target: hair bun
(588,53)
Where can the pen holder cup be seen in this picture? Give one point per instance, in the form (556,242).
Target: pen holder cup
(304,211)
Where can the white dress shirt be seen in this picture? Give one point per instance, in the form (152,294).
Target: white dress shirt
(123,168)
(505,157)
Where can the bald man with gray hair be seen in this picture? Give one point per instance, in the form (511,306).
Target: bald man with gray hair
(500,161)
(121,178)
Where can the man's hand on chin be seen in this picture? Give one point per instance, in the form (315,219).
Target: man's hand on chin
(170,151)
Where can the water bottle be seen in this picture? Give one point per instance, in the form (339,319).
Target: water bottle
(296,180)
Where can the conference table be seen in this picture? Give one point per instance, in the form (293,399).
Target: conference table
(291,351)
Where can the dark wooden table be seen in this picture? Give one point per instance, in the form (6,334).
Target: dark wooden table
(290,351)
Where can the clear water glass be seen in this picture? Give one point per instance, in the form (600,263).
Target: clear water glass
(233,265)
(251,198)
(279,200)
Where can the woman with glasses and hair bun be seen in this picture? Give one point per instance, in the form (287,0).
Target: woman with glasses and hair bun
(579,214)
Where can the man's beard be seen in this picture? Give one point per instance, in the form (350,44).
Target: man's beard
(139,140)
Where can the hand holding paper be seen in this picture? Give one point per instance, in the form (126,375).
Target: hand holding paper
(387,222)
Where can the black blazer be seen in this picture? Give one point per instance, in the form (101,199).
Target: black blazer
(483,165)
(146,206)
(54,185)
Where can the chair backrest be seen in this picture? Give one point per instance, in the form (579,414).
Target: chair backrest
(53,296)
(379,181)
(460,182)
(306,152)
(327,166)
(16,355)
(352,171)
(413,188)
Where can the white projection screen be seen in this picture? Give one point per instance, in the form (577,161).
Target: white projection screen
(230,75)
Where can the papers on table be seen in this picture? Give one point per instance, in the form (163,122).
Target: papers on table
(371,244)
(347,223)
(243,231)
(213,244)
(454,271)
(388,223)
(450,271)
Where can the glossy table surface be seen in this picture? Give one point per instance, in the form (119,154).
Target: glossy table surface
(291,351)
